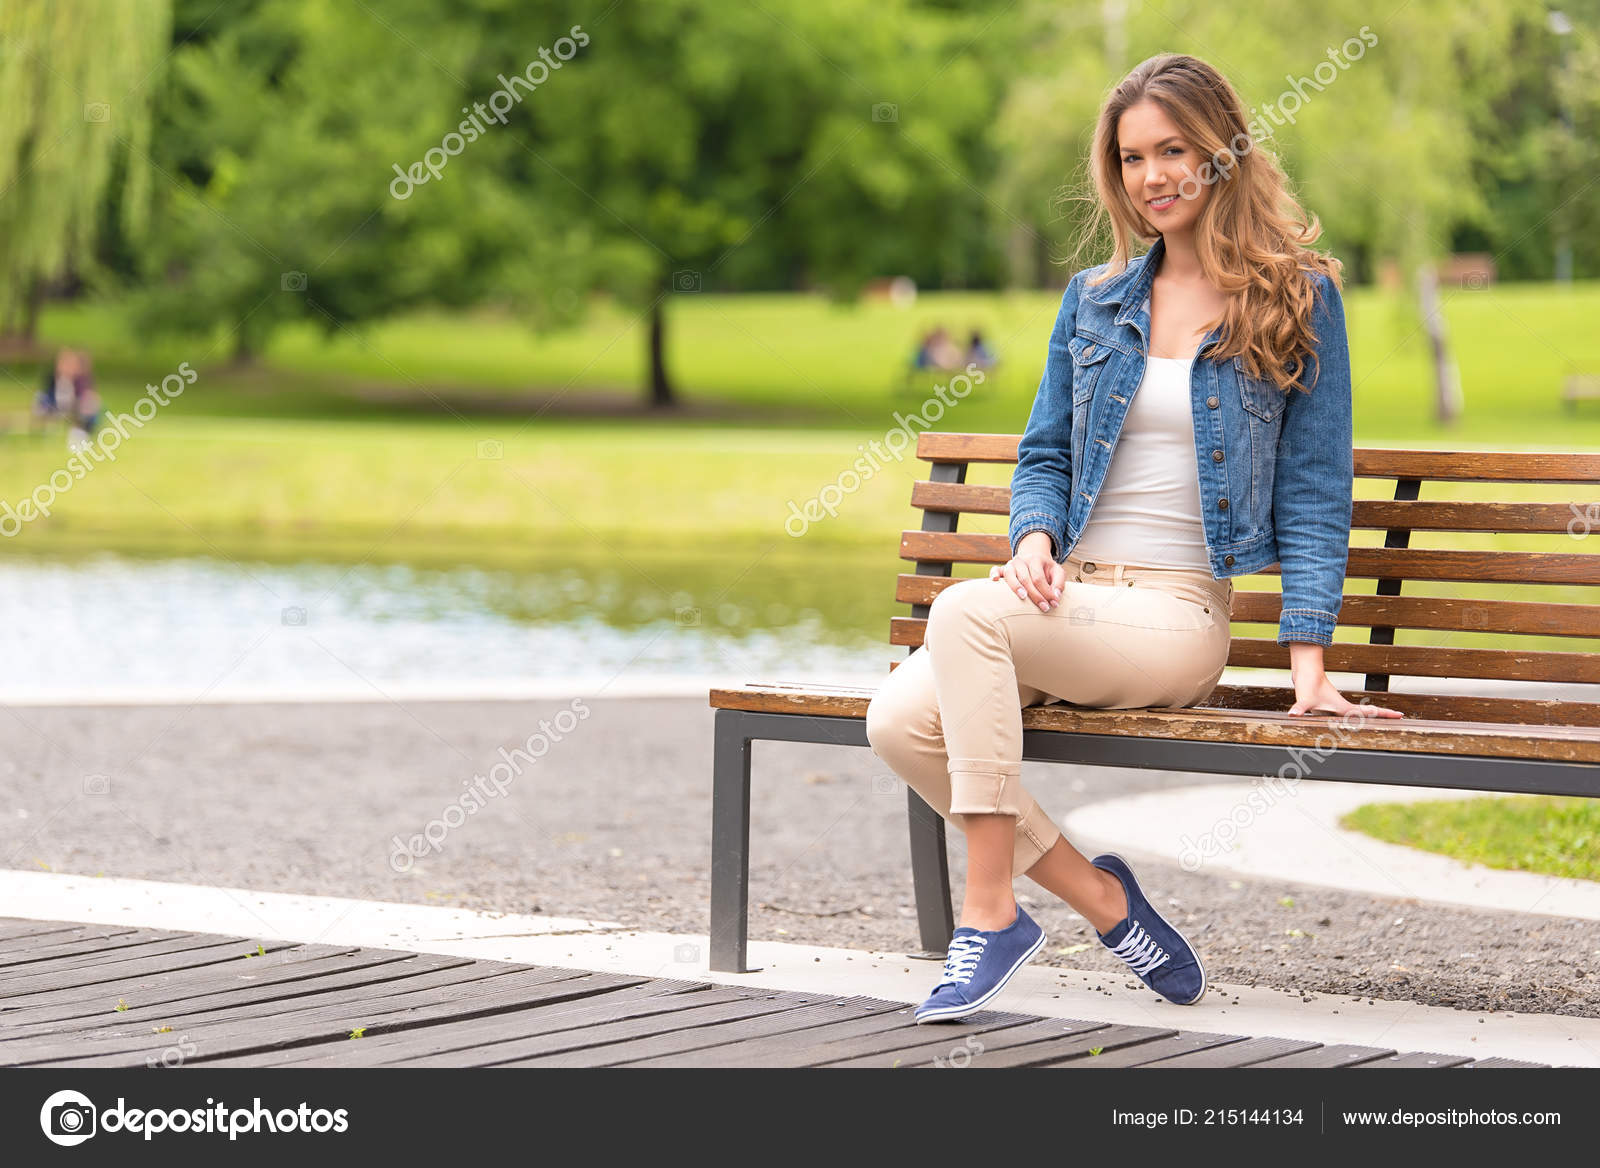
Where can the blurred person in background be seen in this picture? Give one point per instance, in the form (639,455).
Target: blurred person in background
(68,393)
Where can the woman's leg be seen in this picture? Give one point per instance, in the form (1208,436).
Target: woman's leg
(1105,646)
(1094,894)
(905,731)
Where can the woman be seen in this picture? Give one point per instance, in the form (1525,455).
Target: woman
(1193,424)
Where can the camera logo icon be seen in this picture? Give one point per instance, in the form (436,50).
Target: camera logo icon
(293,282)
(294,615)
(885,111)
(491,448)
(686,954)
(97,112)
(96,784)
(68,1118)
(686,281)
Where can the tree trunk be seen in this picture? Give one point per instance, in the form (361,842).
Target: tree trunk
(661,392)
(30,312)
(244,353)
(1446,377)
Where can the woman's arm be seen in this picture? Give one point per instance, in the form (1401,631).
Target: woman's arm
(1041,486)
(1312,491)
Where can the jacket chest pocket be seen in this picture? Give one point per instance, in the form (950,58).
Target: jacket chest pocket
(1260,396)
(1088,359)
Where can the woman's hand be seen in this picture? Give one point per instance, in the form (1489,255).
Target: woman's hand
(1314,691)
(1033,573)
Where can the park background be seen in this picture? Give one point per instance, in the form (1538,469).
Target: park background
(543,413)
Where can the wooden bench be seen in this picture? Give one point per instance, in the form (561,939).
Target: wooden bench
(1492,742)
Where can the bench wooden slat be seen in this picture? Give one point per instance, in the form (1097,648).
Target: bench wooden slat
(1430,515)
(1450,614)
(1278,698)
(944,446)
(1499,466)
(1378,514)
(1485,567)
(1433,707)
(1428,661)
(1208,724)
(1401,660)
(971,498)
(1394,660)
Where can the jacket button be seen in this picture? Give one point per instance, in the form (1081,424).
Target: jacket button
(1212,401)
(1222,504)
(1216,456)
(1089,351)
(1228,560)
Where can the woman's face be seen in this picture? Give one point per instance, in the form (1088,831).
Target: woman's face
(1161,169)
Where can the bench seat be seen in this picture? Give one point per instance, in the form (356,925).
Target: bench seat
(1223,723)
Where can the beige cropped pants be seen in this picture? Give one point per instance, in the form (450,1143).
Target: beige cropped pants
(948,719)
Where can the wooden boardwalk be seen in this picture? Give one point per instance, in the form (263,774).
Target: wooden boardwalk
(110,996)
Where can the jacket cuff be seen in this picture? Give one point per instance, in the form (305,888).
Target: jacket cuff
(1306,624)
(1025,524)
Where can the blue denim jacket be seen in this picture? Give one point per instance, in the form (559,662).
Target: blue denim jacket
(1276,470)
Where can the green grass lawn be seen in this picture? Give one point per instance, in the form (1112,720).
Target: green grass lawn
(801,357)
(373,440)
(1525,833)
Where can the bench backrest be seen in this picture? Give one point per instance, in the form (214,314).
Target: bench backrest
(1525,627)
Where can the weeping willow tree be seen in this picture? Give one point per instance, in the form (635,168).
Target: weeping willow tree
(75,86)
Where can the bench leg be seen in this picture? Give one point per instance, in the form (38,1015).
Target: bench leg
(930,876)
(730,845)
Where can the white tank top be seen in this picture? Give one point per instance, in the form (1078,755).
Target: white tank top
(1148,509)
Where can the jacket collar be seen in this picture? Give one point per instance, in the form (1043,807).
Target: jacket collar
(1130,286)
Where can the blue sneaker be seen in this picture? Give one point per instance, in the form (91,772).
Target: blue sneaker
(978,966)
(1152,948)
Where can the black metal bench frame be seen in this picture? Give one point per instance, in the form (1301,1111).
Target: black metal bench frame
(735,730)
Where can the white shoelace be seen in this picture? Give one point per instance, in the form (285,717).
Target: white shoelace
(1140,951)
(962,959)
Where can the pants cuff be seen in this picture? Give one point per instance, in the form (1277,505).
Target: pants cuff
(985,787)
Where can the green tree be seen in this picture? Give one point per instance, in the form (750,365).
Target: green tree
(75,85)
(685,146)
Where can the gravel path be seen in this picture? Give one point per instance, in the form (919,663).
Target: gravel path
(613,823)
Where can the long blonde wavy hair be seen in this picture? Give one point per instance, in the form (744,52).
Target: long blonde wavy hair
(1251,235)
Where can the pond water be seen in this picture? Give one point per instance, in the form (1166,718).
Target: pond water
(108,622)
